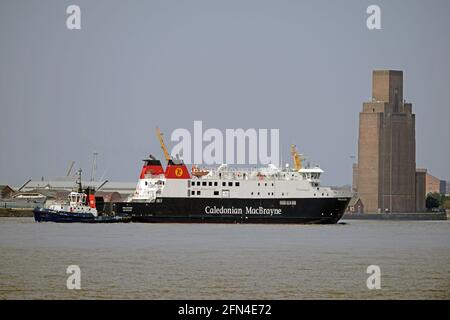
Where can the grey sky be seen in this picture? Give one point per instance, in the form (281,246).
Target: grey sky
(301,66)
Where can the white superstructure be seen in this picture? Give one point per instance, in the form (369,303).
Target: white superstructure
(226,182)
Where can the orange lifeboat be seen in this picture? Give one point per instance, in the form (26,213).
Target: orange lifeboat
(197,172)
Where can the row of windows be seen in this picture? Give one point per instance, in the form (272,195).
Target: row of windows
(265,184)
(215,184)
(211,183)
(158,182)
(216,193)
(282,202)
(198,192)
(268,193)
(288,203)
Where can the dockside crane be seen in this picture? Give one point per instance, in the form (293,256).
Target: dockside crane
(70,168)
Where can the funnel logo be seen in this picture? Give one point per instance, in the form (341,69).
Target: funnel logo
(178,172)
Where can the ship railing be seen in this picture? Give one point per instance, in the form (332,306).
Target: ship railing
(263,170)
(252,175)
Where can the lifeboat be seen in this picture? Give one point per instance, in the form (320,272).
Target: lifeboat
(197,172)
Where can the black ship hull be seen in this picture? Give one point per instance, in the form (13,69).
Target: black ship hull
(210,210)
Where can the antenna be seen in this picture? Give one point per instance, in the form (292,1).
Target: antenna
(94,166)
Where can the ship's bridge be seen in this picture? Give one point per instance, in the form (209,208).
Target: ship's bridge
(312,175)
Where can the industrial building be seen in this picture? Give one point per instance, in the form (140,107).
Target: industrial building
(123,188)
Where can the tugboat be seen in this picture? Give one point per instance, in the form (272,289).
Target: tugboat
(80,207)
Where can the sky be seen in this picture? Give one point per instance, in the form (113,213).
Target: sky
(303,67)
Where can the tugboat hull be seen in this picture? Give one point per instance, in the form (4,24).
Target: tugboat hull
(46,215)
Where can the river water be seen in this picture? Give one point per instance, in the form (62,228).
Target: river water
(213,261)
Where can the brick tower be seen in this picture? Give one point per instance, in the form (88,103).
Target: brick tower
(386,167)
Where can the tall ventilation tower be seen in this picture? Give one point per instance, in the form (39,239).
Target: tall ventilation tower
(386,166)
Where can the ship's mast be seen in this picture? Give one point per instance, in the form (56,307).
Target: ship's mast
(78,182)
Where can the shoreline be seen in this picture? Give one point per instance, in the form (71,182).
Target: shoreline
(15,213)
(428,216)
(406,216)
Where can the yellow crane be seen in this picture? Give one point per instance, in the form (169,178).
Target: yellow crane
(163,145)
(297,158)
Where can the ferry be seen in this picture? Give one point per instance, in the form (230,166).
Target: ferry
(231,195)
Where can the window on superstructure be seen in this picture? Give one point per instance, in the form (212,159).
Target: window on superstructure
(216,193)
(210,183)
(230,184)
(193,192)
(259,184)
(215,183)
(237,184)
(252,193)
(198,193)
(224,184)
(204,183)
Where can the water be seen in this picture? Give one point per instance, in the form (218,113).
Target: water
(178,261)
